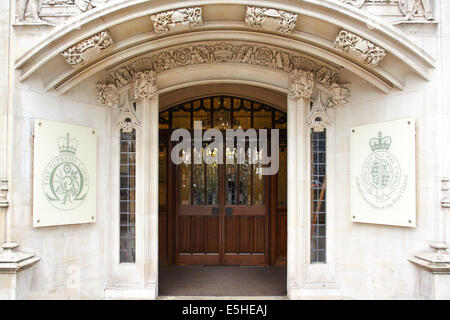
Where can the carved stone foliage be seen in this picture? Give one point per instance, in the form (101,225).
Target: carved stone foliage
(89,49)
(318,119)
(301,84)
(221,52)
(107,95)
(271,19)
(127,121)
(177,20)
(141,72)
(51,12)
(353,44)
(339,94)
(145,85)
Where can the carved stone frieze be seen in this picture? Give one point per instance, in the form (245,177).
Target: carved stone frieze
(107,95)
(318,119)
(355,45)
(220,52)
(145,85)
(339,94)
(89,49)
(140,73)
(270,19)
(177,20)
(301,84)
(127,121)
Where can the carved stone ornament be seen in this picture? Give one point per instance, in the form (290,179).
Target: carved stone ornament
(356,3)
(301,84)
(107,95)
(361,48)
(416,10)
(270,19)
(51,12)
(145,85)
(211,52)
(318,119)
(4,193)
(339,94)
(177,20)
(127,121)
(89,49)
(445,202)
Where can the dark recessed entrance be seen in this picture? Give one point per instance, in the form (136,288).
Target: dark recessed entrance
(221,214)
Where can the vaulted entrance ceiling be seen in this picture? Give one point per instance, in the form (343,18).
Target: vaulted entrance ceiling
(327,38)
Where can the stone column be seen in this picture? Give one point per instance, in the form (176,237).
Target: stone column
(13,279)
(300,90)
(148,103)
(434,264)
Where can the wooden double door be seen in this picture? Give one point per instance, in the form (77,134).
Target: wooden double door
(222,211)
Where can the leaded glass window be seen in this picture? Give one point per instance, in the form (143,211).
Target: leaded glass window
(127,195)
(318,196)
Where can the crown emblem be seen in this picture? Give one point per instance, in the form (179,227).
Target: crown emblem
(380,143)
(65,144)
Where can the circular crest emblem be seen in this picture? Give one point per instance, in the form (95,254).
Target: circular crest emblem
(381,172)
(66,180)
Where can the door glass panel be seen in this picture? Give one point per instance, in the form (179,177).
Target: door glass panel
(212,178)
(231,177)
(262,119)
(258,181)
(185,179)
(198,183)
(245,181)
(181,119)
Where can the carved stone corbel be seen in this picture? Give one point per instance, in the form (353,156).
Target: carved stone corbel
(107,95)
(301,84)
(339,94)
(127,121)
(177,20)
(89,49)
(145,85)
(270,19)
(318,119)
(363,49)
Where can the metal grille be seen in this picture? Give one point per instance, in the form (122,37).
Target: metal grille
(127,195)
(318,196)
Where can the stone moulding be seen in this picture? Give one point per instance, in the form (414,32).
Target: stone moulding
(355,45)
(270,19)
(89,49)
(209,53)
(177,20)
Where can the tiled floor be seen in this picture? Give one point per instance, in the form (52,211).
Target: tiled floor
(222,281)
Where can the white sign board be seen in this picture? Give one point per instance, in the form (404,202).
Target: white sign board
(383,179)
(64,175)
